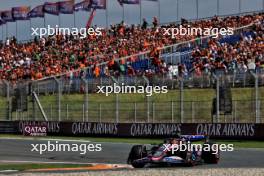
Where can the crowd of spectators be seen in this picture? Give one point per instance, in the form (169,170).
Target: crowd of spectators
(240,57)
(55,55)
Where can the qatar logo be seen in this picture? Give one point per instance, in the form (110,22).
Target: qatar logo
(35,130)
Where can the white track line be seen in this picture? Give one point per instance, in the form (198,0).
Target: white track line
(8,171)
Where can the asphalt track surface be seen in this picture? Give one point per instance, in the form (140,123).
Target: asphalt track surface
(19,150)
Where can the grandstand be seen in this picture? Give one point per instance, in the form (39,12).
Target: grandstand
(57,55)
(64,72)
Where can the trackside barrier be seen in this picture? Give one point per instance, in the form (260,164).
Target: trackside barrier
(147,130)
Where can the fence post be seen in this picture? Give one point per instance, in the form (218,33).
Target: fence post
(83,114)
(86,99)
(51,112)
(117,108)
(67,112)
(217,99)
(193,113)
(116,101)
(259,111)
(148,101)
(257,119)
(181,100)
(16,115)
(172,112)
(8,102)
(257,100)
(58,97)
(135,112)
(100,112)
(235,111)
(33,102)
(171,58)
(234,79)
(153,112)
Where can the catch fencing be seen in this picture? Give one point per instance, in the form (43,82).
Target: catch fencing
(209,98)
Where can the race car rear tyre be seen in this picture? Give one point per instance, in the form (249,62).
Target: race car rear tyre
(212,156)
(137,152)
(137,165)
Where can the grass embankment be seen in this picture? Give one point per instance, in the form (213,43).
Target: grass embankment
(197,106)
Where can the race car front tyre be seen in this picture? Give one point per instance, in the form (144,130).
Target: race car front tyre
(137,152)
(137,164)
(211,156)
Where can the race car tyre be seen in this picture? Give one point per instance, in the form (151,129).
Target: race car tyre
(191,159)
(137,152)
(211,156)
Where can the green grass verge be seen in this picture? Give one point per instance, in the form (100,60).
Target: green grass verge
(28,166)
(197,106)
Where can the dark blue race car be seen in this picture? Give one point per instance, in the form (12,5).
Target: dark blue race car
(175,151)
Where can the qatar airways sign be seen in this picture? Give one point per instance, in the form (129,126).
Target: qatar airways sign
(214,130)
(243,130)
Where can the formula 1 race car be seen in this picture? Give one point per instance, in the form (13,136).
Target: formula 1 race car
(171,152)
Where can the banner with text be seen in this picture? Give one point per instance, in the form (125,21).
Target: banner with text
(158,130)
